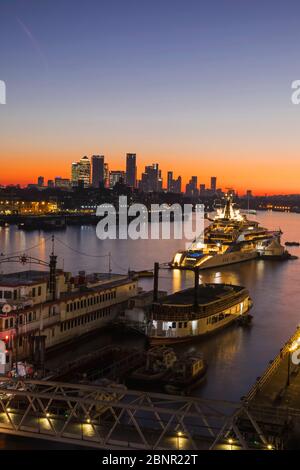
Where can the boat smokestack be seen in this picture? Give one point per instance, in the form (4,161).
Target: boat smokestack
(52,277)
(196,272)
(155,282)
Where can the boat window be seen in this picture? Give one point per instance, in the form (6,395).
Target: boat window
(174,324)
(180,324)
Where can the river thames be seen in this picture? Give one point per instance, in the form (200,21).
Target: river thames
(236,356)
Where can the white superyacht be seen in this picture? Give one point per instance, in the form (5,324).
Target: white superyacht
(230,238)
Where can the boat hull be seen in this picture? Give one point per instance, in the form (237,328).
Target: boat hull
(219,260)
(160,340)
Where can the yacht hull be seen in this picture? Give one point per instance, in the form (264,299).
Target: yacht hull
(217,260)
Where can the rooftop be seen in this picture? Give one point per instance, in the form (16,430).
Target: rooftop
(23,278)
(206,293)
(32,277)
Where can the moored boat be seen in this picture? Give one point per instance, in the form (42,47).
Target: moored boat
(186,374)
(292,244)
(196,312)
(230,238)
(158,361)
(273,250)
(164,372)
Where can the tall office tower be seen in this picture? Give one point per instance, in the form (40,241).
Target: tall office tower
(131,169)
(173,185)
(170,182)
(81,172)
(85,171)
(97,170)
(106,175)
(151,179)
(50,184)
(202,189)
(191,189)
(194,181)
(74,173)
(40,181)
(177,185)
(159,182)
(116,176)
(213,184)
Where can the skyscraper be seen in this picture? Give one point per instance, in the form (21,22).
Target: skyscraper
(75,173)
(40,181)
(202,189)
(170,181)
(173,185)
(81,172)
(191,189)
(116,176)
(97,170)
(213,184)
(106,175)
(151,179)
(131,169)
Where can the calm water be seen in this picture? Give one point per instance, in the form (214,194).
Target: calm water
(236,356)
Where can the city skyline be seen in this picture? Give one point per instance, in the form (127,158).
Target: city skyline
(198,92)
(94,172)
(94,175)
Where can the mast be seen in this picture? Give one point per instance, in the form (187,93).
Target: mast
(227,211)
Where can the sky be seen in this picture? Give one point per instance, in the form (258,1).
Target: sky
(202,87)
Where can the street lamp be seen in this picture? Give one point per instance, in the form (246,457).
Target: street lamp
(179,434)
(291,349)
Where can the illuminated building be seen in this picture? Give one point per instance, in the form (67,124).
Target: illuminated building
(81,172)
(116,176)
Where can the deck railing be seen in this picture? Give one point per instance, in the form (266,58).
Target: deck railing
(271,368)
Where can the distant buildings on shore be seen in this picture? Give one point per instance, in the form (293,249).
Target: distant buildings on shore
(94,172)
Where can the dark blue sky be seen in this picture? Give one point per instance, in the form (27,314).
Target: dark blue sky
(205,79)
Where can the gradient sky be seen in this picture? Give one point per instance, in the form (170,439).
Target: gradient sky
(202,87)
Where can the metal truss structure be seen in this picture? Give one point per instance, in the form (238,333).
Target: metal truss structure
(117,418)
